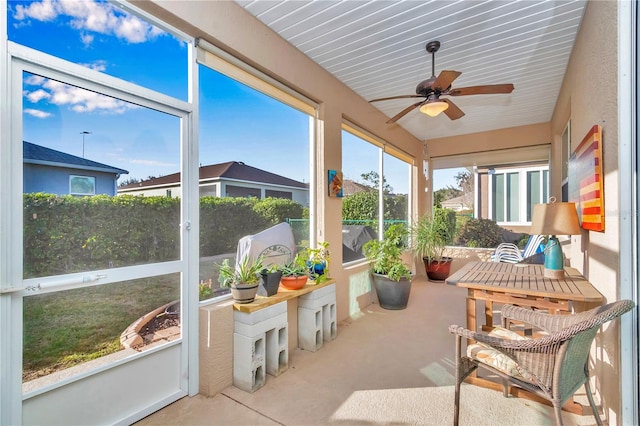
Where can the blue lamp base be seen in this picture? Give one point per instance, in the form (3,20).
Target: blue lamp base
(553,259)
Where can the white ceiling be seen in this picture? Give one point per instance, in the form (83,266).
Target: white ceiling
(377,48)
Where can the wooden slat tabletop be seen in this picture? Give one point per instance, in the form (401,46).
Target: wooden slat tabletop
(524,279)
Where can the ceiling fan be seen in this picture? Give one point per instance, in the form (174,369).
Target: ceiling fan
(435,87)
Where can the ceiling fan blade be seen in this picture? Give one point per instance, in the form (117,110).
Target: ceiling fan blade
(444,80)
(404,112)
(396,97)
(453,112)
(488,89)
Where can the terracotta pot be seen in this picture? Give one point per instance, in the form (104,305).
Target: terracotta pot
(437,270)
(294,283)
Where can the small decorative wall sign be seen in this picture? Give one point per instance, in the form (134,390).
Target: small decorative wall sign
(586,180)
(335,183)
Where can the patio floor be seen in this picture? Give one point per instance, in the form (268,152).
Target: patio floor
(385,367)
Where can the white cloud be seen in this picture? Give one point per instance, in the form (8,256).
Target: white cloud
(34,80)
(86,39)
(37,113)
(91,16)
(37,95)
(99,65)
(43,11)
(77,99)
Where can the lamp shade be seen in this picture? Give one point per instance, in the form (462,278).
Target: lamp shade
(555,219)
(433,108)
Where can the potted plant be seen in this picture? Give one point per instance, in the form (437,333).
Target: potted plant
(243,279)
(430,237)
(295,273)
(391,276)
(318,262)
(270,280)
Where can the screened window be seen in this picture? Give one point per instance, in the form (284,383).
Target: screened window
(256,137)
(515,191)
(371,174)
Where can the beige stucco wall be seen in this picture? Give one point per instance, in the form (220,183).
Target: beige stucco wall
(495,140)
(589,96)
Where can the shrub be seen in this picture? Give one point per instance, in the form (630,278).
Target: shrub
(223,221)
(446,220)
(277,210)
(479,233)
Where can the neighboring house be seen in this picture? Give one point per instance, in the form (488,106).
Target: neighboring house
(230,179)
(463,202)
(56,172)
(507,194)
(350,187)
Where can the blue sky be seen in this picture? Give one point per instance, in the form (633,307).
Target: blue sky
(236,122)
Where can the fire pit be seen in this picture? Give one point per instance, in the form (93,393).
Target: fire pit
(161,324)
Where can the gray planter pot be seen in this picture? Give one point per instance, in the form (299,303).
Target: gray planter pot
(244,294)
(269,283)
(392,294)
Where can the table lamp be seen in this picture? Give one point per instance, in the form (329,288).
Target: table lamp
(554,219)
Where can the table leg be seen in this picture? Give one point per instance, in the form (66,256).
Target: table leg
(488,314)
(471,311)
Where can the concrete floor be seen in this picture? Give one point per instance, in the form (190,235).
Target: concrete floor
(385,367)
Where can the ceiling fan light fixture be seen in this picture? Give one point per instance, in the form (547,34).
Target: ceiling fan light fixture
(434,108)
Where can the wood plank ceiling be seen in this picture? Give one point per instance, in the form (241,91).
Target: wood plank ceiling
(377,48)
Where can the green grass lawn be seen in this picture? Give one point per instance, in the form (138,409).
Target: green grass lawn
(66,328)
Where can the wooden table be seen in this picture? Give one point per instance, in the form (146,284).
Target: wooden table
(522,285)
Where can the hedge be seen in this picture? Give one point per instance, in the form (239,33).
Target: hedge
(65,234)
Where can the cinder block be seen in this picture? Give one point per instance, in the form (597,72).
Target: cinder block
(310,329)
(249,367)
(277,350)
(260,315)
(251,330)
(329,323)
(320,293)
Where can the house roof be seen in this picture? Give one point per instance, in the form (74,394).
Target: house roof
(37,154)
(350,187)
(234,170)
(462,200)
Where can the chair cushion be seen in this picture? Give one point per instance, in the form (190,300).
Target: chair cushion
(496,359)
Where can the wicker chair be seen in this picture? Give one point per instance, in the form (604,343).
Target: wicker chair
(552,366)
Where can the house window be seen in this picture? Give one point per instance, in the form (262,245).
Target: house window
(366,196)
(278,194)
(82,185)
(515,191)
(239,191)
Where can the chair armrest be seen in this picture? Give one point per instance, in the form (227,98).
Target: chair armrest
(528,345)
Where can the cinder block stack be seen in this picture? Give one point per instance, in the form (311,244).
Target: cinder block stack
(317,318)
(260,346)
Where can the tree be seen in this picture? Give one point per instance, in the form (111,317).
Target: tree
(465,183)
(444,194)
(373,179)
